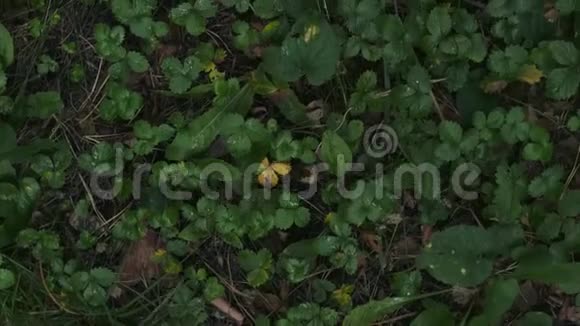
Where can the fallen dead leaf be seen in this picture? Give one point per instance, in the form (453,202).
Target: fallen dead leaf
(137,264)
(267,302)
(315,111)
(570,313)
(427,233)
(462,296)
(552,15)
(407,247)
(284,291)
(226,308)
(530,74)
(372,240)
(494,86)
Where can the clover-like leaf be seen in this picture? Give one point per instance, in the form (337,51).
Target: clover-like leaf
(42,105)
(193,16)
(563,83)
(181,75)
(109,42)
(120,103)
(258,265)
(314,53)
(439,22)
(137,62)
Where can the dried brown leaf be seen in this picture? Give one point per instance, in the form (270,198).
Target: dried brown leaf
(226,308)
(137,264)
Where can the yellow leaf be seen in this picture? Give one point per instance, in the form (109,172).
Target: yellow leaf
(329,217)
(530,74)
(271,26)
(160,252)
(215,75)
(343,296)
(173,267)
(281,169)
(209,67)
(264,164)
(268,178)
(494,86)
(311,32)
(220,55)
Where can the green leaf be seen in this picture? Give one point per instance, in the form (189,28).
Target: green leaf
(109,42)
(450,132)
(511,190)
(439,22)
(562,274)
(563,83)
(569,205)
(565,53)
(7,278)
(566,7)
(508,63)
(95,295)
(535,319)
(499,298)
(103,276)
(193,16)
(7,138)
(335,152)
(407,284)
(419,79)
(436,314)
(120,104)
(458,256)
(181,76)
(550,227)
(202,131)
(137,62)
(314,54)
(548,183)
(6,47)
(42,105)
(213,289)
(267,9)
(257,264)
(373,311)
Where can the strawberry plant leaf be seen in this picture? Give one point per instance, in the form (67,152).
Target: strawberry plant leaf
(137,62)
(120,103)
(563,83)
(565,53)
(42,105)
(569,205)
(439,22)
(181,75)
(314,53)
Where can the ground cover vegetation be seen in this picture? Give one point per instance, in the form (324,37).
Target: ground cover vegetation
(144,97)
